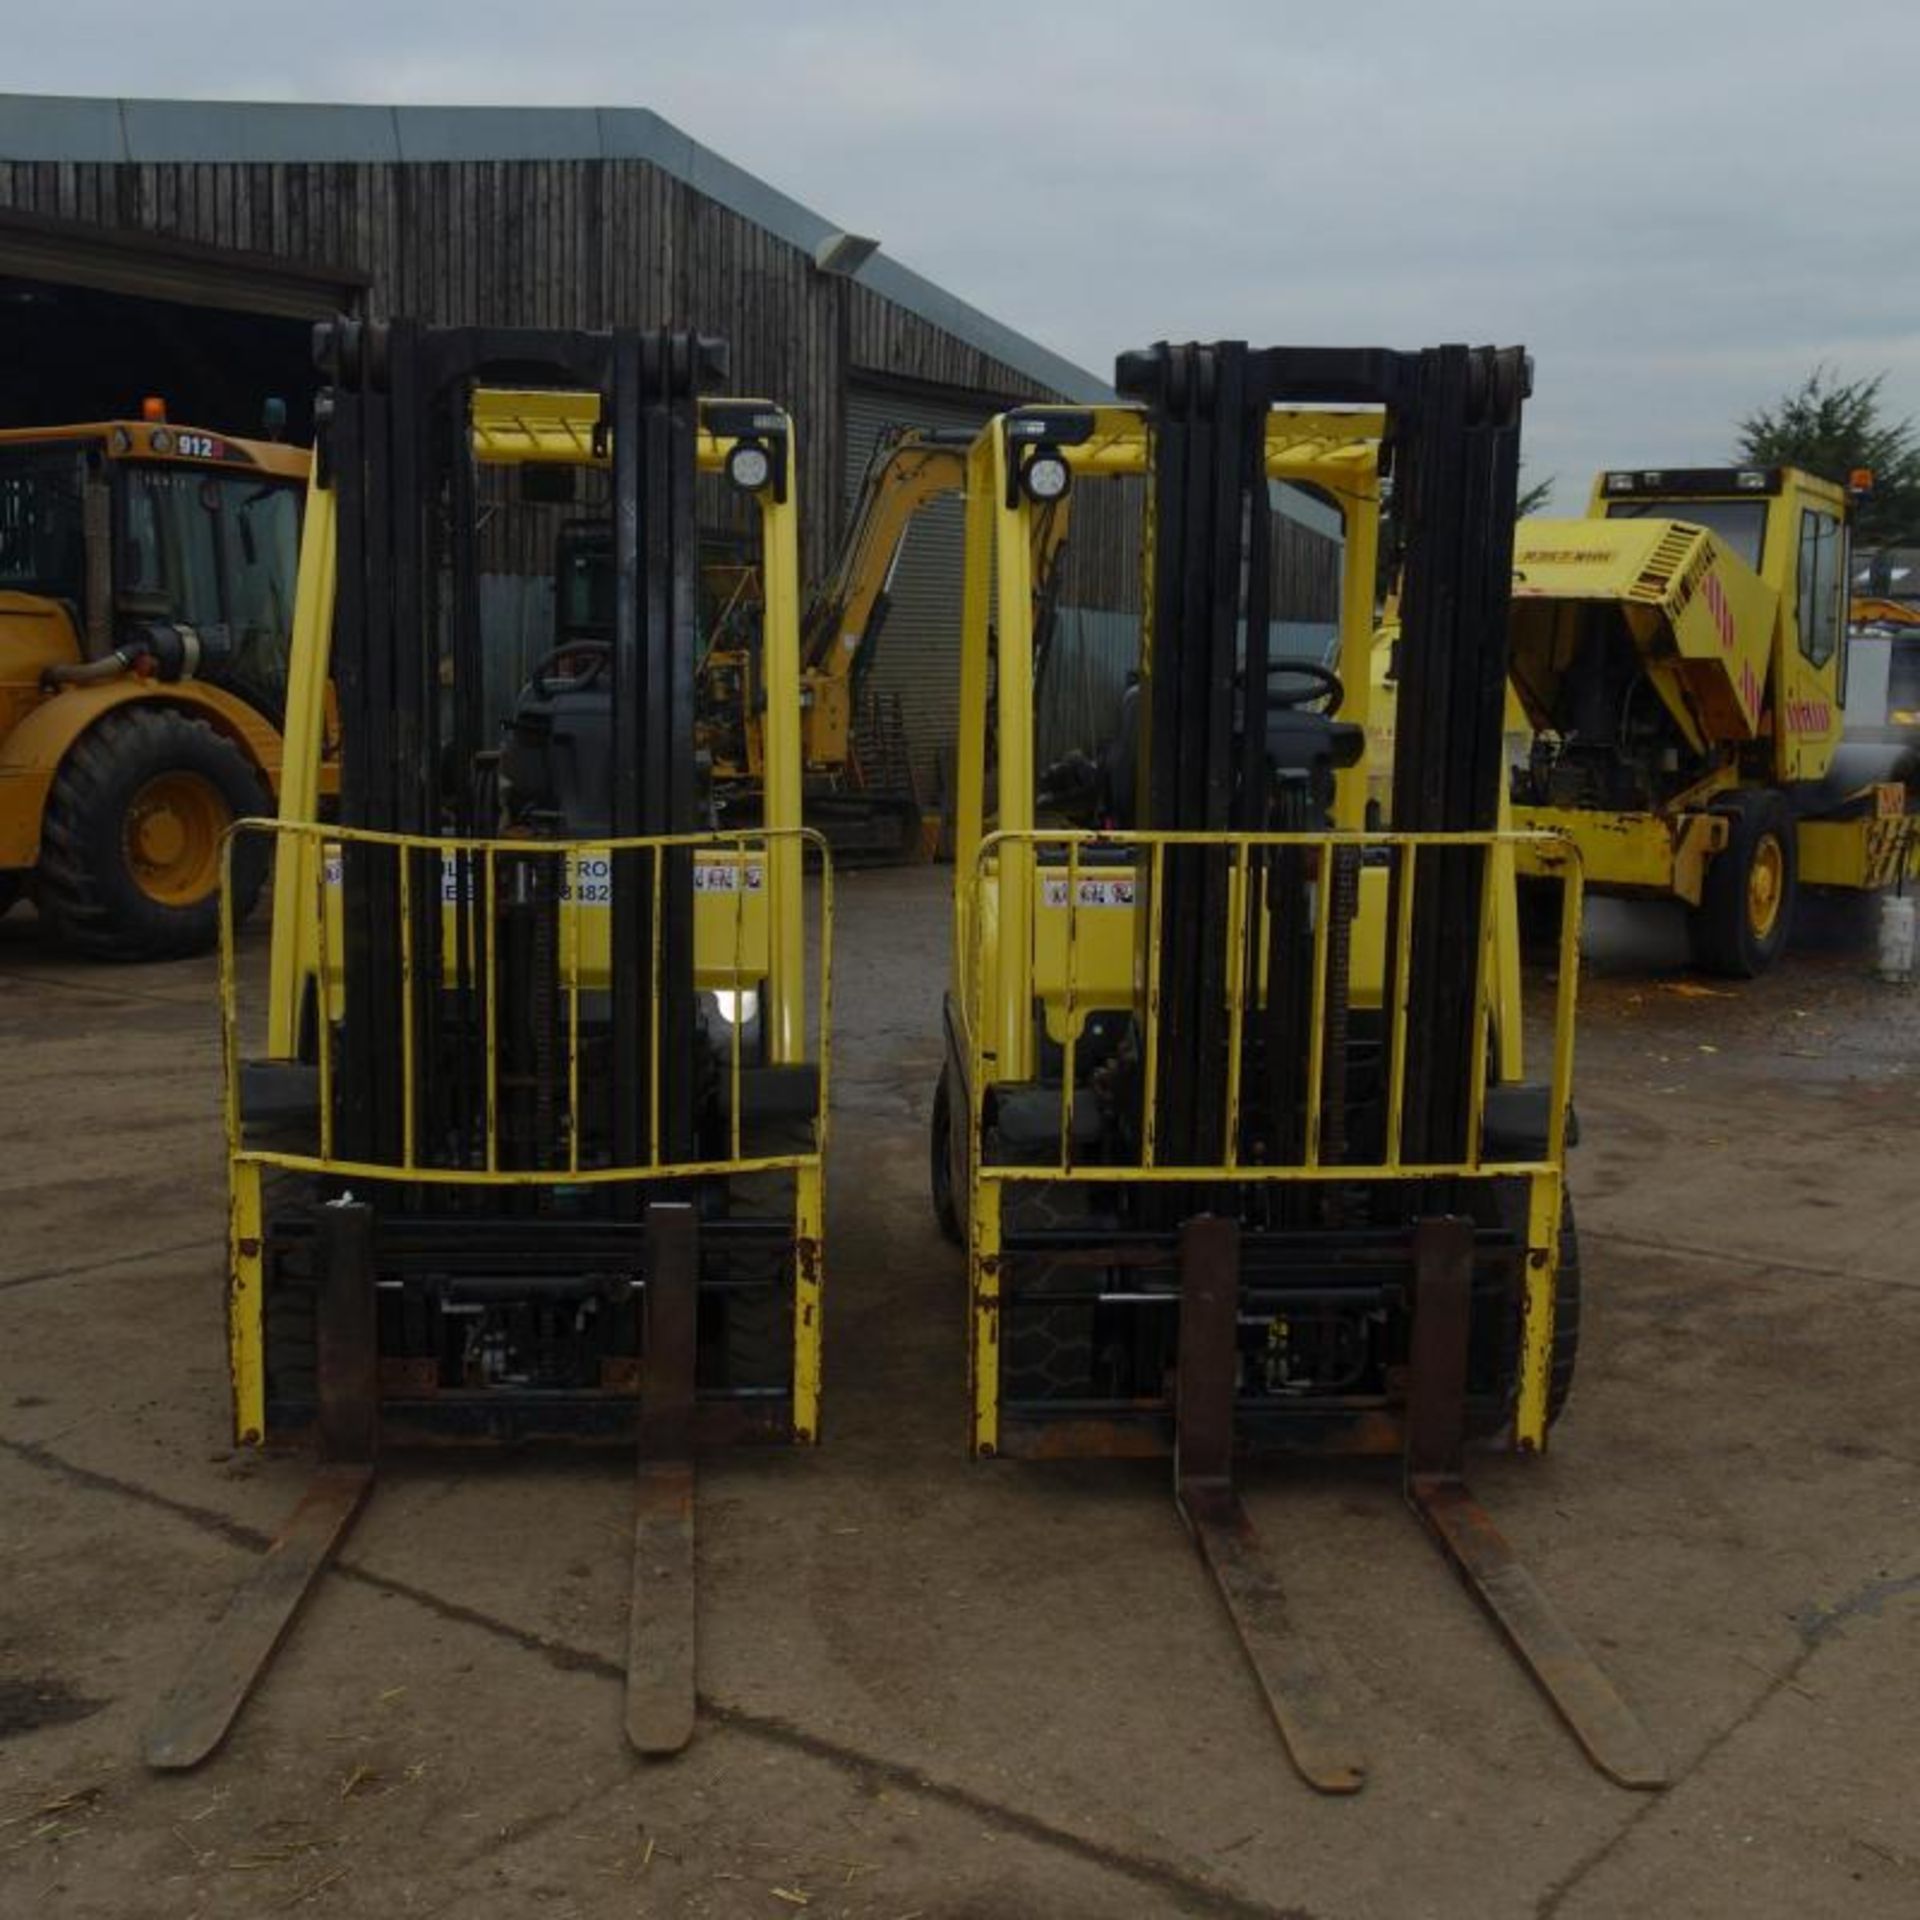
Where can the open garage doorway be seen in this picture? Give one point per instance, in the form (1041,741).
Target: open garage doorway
(94,321)
(72,353)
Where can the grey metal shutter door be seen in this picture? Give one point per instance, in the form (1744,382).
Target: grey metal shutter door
(918,656)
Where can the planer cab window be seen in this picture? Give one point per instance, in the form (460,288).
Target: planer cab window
(1820,574)
(1739,525)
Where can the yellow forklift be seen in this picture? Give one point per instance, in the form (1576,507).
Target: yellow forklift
(147,584)
(525,1142)
(1234,1121)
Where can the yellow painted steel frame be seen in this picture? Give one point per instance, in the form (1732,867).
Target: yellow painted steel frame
(513,427)
(985,969)
(1871,850)
(1664,854)
(1003,946)
(248,1163)
(1337,453)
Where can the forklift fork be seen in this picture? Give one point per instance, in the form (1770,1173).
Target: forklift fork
(1436,1489)
(199,1713)
(660,1624)
(1302,1699)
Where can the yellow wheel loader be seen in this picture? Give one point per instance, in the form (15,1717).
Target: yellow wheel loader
(1680,656)
(147,584)
(1234,1121)
(525,1140)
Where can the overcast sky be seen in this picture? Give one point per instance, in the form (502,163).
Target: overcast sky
(1681,206)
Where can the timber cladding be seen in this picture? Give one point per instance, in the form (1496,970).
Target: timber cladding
(583,242)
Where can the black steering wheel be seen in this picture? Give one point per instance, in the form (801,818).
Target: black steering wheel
(1313,685)
(581,662)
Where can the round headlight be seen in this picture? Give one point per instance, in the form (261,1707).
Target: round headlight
(1045,476)
(749,467)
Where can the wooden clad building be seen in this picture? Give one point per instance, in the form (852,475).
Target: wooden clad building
(184,248)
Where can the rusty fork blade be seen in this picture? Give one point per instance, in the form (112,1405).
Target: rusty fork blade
(198,1714)
(1304,1704)
(1567,1673)
(660,1626)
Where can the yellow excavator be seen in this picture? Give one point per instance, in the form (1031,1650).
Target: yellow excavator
(147,582)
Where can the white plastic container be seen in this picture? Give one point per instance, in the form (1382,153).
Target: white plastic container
(1895,959)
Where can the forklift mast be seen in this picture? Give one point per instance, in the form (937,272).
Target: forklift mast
(406,479)
(1454,453)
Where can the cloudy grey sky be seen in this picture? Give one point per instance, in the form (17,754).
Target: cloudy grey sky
(1681,206)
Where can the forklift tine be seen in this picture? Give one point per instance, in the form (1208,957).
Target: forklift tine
(660,1622)
(660,1627)
(1567,1673)
(198,1714)
(1303,1701)
(194,1719)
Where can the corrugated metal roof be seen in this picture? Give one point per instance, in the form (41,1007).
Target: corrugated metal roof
(35,127)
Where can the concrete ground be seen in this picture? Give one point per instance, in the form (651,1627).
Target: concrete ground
(936,1689)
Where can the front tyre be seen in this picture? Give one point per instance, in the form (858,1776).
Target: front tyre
(1745,915)
(131,839)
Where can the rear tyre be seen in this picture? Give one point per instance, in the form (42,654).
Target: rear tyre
(9,892)
(1745,915)
(1566,1313)
(130,842)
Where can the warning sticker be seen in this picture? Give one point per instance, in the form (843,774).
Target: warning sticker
(726,876)
(1088,893)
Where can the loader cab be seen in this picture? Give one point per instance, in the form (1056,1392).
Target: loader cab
(166,542)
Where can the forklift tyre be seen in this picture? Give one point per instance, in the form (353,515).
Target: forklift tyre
(1566,1314)
(130,842)
(757,1352)
(1745,915)
(946,1210)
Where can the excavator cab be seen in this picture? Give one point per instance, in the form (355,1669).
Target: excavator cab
(1233,1122)
(525,1143)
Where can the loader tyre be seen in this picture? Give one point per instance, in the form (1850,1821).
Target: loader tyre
(130,844)
(1745,915)
(946,1209)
